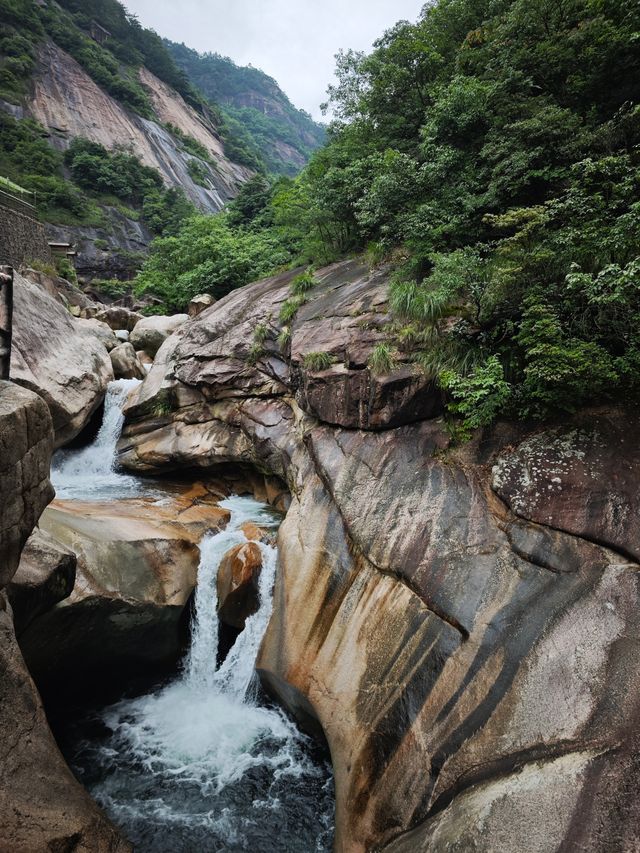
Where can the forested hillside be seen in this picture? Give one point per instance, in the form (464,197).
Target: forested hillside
(490,152)
(254,107)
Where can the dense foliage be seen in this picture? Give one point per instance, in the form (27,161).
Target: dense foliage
(492,152)
(69,188)
(211,256)
(253,106)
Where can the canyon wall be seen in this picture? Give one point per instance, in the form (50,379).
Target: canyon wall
(42,806)
(458,621)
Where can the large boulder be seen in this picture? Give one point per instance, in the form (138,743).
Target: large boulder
(45,576)
(64,291)
(57,358)
(117,317)
(150,333)
(26,444)
(238,584)
(471,661)
(125,363)
(103,332)
(137,566)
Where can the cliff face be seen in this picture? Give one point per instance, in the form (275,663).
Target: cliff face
(458,621)
(70,104)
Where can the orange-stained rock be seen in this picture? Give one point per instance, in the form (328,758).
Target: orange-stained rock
(238,577)
(253,532)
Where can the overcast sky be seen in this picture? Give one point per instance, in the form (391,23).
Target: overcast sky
(294,41)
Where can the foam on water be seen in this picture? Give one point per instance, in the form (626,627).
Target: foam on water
(200,764)
(90,473)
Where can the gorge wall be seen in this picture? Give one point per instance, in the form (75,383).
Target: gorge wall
(42,806)
(459,621)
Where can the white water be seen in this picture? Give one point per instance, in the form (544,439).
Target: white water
(90,473)
(201,757)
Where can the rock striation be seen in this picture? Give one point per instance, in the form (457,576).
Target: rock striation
(58,357)
(466,645)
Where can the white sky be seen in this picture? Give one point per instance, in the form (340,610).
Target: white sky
(294,41)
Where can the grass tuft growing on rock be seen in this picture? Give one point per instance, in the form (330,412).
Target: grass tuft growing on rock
(290,308)
(302,283)
(382,360)
(317,361)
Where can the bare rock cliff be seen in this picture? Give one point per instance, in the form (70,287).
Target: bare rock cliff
(68,102)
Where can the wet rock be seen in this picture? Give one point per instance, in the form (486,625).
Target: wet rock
(238,584)
(118,317)
(45,576)
(137,568)
(42,806)
(199,303)
(26,444)
(151,332)
(254,533)
(53,355)
(125,363)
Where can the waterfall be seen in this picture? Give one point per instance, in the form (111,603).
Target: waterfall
(199,763)
(200,666)
(89,474)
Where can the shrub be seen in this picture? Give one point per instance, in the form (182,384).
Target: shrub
(478,398)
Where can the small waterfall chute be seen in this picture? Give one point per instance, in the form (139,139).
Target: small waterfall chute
(90,473)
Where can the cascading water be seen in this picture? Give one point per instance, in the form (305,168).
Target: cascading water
(200,764)
(90,474)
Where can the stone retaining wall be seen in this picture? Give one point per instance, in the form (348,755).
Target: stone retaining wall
(22,238)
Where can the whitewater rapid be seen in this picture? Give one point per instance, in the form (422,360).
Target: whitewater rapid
(90,473)
(200,764)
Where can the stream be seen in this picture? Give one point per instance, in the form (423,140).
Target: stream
(201,762)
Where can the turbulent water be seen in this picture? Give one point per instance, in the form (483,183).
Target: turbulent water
(199,764)
(90,473)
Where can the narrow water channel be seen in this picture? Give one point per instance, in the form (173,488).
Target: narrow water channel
(200,763)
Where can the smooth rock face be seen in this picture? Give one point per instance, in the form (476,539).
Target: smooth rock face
(45,576)
(237,584)
(55,356)
(199,303)
(473,671)
(137,568)
(151,332)
(26,444)
(42,806)
(125,363)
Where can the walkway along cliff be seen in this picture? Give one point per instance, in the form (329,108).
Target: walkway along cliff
(461,623)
